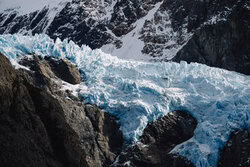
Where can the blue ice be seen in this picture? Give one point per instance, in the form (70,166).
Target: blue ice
(140,92)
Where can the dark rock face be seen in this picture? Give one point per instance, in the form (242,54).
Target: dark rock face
(40,125)
(236,153)
(50,68)
(76,23)
(158,139)
(128,12)
(224,44)
(65,70)
(108,137)
(24,139)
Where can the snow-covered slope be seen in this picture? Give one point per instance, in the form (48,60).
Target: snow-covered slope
(28,6)
(27,16)
(139,92)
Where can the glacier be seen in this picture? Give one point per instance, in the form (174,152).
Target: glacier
(139,92)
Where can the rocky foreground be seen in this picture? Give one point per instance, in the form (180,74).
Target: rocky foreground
(41,124)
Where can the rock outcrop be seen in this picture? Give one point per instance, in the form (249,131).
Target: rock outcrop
(157,141)
(223,43)
(42,125)
(236,152)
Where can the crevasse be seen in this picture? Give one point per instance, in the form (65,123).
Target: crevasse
(140,92)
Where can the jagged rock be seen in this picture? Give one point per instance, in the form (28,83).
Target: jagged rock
(42,125)
(236,152)
(65,70)
(53,68)
(24,139)
(224,44)
(158,139)
(7,78)
(108,136)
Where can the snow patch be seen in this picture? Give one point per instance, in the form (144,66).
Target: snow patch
(131,44)
(74,89)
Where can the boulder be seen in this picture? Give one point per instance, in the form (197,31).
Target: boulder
(236,152)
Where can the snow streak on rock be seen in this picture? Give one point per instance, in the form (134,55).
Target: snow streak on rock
(140,92)
(132,45)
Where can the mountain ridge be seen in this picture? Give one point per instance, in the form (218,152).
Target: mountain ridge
(124,29)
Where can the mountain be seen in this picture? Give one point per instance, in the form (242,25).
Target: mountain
(212,32)
(125,83)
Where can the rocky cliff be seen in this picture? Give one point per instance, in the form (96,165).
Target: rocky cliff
(42,125)
(213,32)
(224,42)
